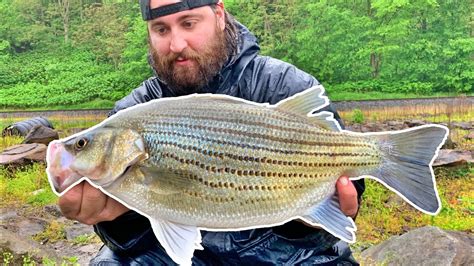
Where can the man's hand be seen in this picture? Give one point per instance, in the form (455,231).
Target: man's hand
(89,205)
(347,196)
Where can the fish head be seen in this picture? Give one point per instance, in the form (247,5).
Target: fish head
(102,155)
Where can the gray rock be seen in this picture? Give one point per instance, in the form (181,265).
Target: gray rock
(28,228)
(6,215)
(469,136)
(41,134)
(448,157)
(424,246)
(78,229)
(462,125)
(21,154)
(449,144)
(395,125)
(53,210)
(19,246)
(415,123)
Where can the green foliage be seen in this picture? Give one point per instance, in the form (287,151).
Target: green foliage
(358,116)
(27,184)
(51,56)
(86,239)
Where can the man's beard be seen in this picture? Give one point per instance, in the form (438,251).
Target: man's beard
(186,80)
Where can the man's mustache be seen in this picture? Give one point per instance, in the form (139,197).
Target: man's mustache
(185,54)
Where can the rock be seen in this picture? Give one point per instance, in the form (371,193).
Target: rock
(395,125)
(78,229)
(462,125)
(449,144)
(452,157)
(23,154)
(470,136)
(90,249)
(28,228)
(19,246)
(414,123)
(424,246)
(41,134)
(53,210)
(6,215)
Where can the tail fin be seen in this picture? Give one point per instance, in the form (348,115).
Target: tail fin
(406,167)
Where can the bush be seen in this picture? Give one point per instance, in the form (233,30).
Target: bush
(357,116)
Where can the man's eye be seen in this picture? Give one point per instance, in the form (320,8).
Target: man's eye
(161,30)
(189,24)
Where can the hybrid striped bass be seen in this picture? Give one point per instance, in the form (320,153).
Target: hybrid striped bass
(216,162)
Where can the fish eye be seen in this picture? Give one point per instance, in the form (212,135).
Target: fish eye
(81,143)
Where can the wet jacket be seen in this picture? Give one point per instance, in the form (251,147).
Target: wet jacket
(129,239)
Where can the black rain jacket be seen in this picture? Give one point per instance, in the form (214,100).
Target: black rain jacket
(129,239)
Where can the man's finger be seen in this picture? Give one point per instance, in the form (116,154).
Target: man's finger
(70,202)
(347,196)
(93,203)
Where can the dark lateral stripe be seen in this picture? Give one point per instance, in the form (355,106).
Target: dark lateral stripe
(245,158)
(211,108)
(257,199)
(256,123)
(272,138)
(250,123)
(239,172)
(238,144)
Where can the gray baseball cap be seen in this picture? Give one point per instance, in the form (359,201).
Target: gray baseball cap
(149,13)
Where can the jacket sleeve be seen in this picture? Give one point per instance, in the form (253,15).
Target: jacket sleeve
(267,79)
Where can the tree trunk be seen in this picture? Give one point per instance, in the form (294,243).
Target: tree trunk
(64,9)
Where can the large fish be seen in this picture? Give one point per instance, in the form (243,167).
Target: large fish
(220,163)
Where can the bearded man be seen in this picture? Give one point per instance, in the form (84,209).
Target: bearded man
(197,47)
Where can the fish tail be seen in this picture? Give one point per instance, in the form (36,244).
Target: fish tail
(406,167)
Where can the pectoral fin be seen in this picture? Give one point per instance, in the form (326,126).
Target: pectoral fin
(179,241)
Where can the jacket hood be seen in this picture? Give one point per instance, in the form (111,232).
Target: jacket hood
(247,50)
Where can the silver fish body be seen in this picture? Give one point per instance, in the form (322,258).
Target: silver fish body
(216,162)
(234,165)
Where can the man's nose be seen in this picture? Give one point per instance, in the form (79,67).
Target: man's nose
(178,43)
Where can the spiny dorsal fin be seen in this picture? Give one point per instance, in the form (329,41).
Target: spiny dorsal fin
(308,101)
(305,102)
(325,120)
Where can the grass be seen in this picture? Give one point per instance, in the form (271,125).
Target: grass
(54,232)
(458,111)
(95,104)
(374,95)
(86,239)
(25,185)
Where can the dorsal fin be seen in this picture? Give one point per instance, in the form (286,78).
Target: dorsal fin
(325,120)
(305,102)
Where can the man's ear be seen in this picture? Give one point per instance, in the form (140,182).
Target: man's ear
(220,14)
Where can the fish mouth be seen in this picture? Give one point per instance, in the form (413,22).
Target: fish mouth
(59,171)
(62,182)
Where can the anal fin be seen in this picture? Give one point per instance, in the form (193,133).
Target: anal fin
(178,240)
(329,216)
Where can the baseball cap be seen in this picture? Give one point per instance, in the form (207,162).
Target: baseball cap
(148,13)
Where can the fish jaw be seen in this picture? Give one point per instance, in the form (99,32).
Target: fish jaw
(59,171)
